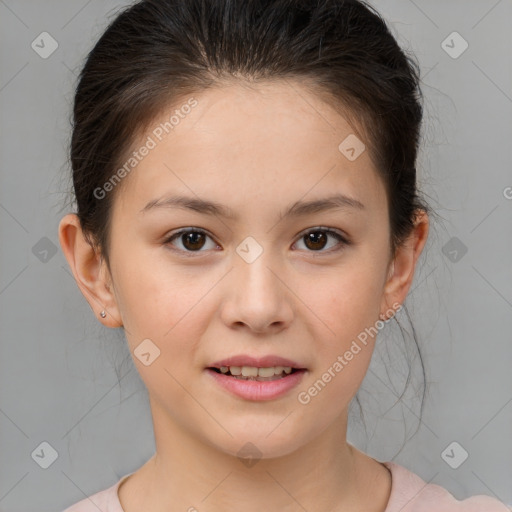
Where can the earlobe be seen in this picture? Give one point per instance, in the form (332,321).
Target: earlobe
(403,265)
(89,270)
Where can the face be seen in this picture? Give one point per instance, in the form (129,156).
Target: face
(195,286)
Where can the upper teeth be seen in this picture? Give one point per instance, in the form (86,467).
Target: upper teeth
(252,371)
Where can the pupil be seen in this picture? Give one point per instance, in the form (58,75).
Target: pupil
(312,237)
(192,237)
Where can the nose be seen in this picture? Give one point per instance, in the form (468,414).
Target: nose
(258,296)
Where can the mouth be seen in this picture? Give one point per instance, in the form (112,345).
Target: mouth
(256,377)
(254,373)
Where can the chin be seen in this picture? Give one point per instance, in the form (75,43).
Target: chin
(252,446)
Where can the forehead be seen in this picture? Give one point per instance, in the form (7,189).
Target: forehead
(243,144)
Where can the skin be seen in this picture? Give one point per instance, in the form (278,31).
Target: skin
(257,150)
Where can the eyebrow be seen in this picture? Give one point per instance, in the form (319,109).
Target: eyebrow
(297,209)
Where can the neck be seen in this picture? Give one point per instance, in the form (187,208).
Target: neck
(187,473)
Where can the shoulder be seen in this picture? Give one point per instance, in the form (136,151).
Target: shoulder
(410,493)
(106,500)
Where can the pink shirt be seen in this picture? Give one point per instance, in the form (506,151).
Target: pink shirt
(409,493)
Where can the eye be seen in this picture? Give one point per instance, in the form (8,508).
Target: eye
(192,239)
(316,239)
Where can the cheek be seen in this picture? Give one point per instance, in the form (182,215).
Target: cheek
(343,351)
(345,307)
(164,316)
(160,303)
(347,300)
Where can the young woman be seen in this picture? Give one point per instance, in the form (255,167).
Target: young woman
(247,211)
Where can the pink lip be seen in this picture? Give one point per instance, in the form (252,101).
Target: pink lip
(258,362)
(257,390)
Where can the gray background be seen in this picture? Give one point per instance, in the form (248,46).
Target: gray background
(68,381)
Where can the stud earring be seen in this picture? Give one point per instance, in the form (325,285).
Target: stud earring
(103,314)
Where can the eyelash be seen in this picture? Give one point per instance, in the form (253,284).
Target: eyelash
(343,241)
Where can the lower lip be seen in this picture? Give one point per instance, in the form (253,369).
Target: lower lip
(258,390)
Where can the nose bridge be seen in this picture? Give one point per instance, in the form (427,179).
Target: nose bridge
(257,297)
(256,267)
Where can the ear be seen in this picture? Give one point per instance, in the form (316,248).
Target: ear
(90,270)
(403,264)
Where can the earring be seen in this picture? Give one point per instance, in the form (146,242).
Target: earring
(103,314)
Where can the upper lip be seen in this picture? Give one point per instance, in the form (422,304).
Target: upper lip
(258,362)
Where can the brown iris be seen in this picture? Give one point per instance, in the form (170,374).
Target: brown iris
(317,238)
(194,240)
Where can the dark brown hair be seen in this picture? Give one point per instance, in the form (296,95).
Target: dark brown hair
(158,51)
